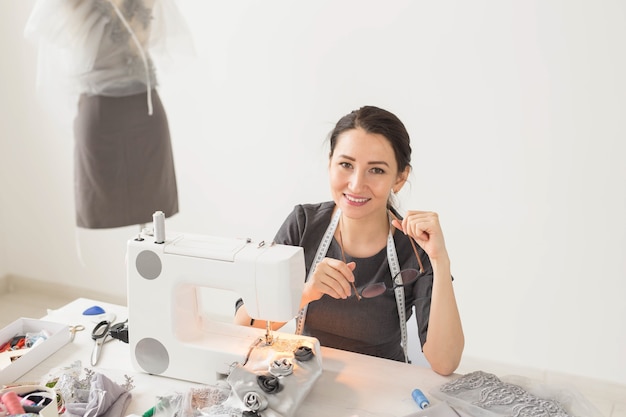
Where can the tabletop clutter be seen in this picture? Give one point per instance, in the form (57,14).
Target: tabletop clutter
(259,387)
(77,391)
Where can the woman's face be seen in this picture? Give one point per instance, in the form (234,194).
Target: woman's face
(363,171)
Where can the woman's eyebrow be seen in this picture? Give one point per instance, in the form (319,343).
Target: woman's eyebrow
(378,163)
(369,163)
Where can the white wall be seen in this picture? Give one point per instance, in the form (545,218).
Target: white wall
(516,111)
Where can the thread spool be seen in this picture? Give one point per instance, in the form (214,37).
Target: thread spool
(158,218)
(420,399)
(12,403)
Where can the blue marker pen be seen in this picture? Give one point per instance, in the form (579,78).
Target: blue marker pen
(420,399)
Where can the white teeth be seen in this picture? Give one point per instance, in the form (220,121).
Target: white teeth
(356,200)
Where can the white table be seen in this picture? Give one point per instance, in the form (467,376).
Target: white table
(351,384)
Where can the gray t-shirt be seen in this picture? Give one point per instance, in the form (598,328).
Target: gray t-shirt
(369,326)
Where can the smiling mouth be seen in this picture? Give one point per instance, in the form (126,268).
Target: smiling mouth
(355,199)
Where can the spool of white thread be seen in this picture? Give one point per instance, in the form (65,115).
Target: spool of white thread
(158,218)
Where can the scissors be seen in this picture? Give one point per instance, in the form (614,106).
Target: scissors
(74,329)
(99,335)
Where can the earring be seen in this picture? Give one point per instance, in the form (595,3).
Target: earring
(393,196)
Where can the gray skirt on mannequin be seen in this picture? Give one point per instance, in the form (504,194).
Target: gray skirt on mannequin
(123,163)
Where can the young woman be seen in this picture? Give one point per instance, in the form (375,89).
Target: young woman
(366,266)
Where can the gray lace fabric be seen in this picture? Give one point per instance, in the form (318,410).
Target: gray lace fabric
(483,394)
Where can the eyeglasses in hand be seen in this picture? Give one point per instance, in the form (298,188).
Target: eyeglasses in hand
(407,276)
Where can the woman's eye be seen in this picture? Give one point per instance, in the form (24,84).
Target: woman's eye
(347,165)
(378,170)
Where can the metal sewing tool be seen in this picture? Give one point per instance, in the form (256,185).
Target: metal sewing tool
(99,335)
(74,329)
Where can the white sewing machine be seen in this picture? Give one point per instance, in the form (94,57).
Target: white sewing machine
(169,336)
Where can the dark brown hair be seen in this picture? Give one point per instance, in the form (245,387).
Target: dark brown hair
(376,120)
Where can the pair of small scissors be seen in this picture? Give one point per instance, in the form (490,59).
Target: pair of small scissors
(74,329)
(99,335)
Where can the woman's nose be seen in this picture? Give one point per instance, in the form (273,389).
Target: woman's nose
(357,181)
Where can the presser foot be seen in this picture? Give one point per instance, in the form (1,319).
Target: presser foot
(269,337)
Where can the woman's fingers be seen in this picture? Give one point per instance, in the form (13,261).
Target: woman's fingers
(421,223)
(333,277)
(424,227)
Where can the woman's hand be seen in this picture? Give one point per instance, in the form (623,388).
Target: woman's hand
(424,227)
(332,277)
